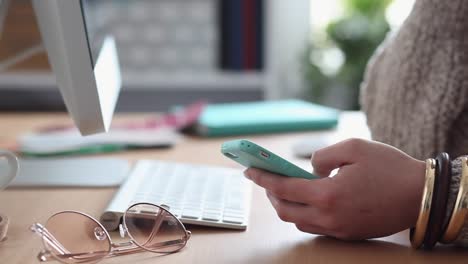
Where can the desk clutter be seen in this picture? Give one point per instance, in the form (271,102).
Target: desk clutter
(206,120)
(233,119)
(154,132)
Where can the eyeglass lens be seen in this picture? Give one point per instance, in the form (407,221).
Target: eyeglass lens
(78,235)
(155,229)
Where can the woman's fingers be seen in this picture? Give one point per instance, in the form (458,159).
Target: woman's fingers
(346,152)
(306,218)
(300,214)
(314,192)
(288,211)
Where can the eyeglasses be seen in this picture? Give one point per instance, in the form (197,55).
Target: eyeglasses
(74,237)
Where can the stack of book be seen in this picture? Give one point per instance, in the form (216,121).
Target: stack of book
(241,34)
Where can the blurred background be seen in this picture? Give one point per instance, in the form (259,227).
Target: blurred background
(175,52)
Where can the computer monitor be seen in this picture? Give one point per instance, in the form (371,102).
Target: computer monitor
(87,71)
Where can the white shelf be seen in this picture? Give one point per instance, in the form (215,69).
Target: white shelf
(183,81)
(286,34)
(27,80)
(206,81)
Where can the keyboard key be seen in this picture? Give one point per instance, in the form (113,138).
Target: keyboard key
(213,211)
(234,213)
(212,216)
(234,206)
(213,205)
(235,220)
(194,214)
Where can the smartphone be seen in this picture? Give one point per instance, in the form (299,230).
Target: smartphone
(252,155)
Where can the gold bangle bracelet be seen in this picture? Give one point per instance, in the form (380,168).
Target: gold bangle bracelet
(417,237)
(460,210)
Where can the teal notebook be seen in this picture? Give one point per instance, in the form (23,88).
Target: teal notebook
(264,117)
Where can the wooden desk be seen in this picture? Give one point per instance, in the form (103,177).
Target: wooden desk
(267,239)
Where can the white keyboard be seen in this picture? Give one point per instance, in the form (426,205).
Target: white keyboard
(196,194)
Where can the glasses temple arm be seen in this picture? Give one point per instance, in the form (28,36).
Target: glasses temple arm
(117,250)
(124,249)
(155,230)
(46,255)
(86,257)
(157,225)
(49,238)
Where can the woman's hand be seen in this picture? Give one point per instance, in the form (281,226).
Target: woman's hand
(376,192)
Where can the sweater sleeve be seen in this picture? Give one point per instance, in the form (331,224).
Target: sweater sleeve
(462,238)
(415,90)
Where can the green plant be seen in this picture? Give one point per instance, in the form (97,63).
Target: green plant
(356,35)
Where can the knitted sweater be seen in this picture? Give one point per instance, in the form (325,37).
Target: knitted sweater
(415,90)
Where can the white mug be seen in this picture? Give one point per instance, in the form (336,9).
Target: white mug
(10,171)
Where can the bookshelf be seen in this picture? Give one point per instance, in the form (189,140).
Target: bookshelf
(285,32)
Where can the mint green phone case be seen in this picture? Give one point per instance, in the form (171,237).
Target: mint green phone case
(252,155)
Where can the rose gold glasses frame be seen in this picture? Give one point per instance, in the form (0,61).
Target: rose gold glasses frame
(115,249)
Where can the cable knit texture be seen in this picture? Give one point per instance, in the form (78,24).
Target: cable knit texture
(462,238)
(415,90)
